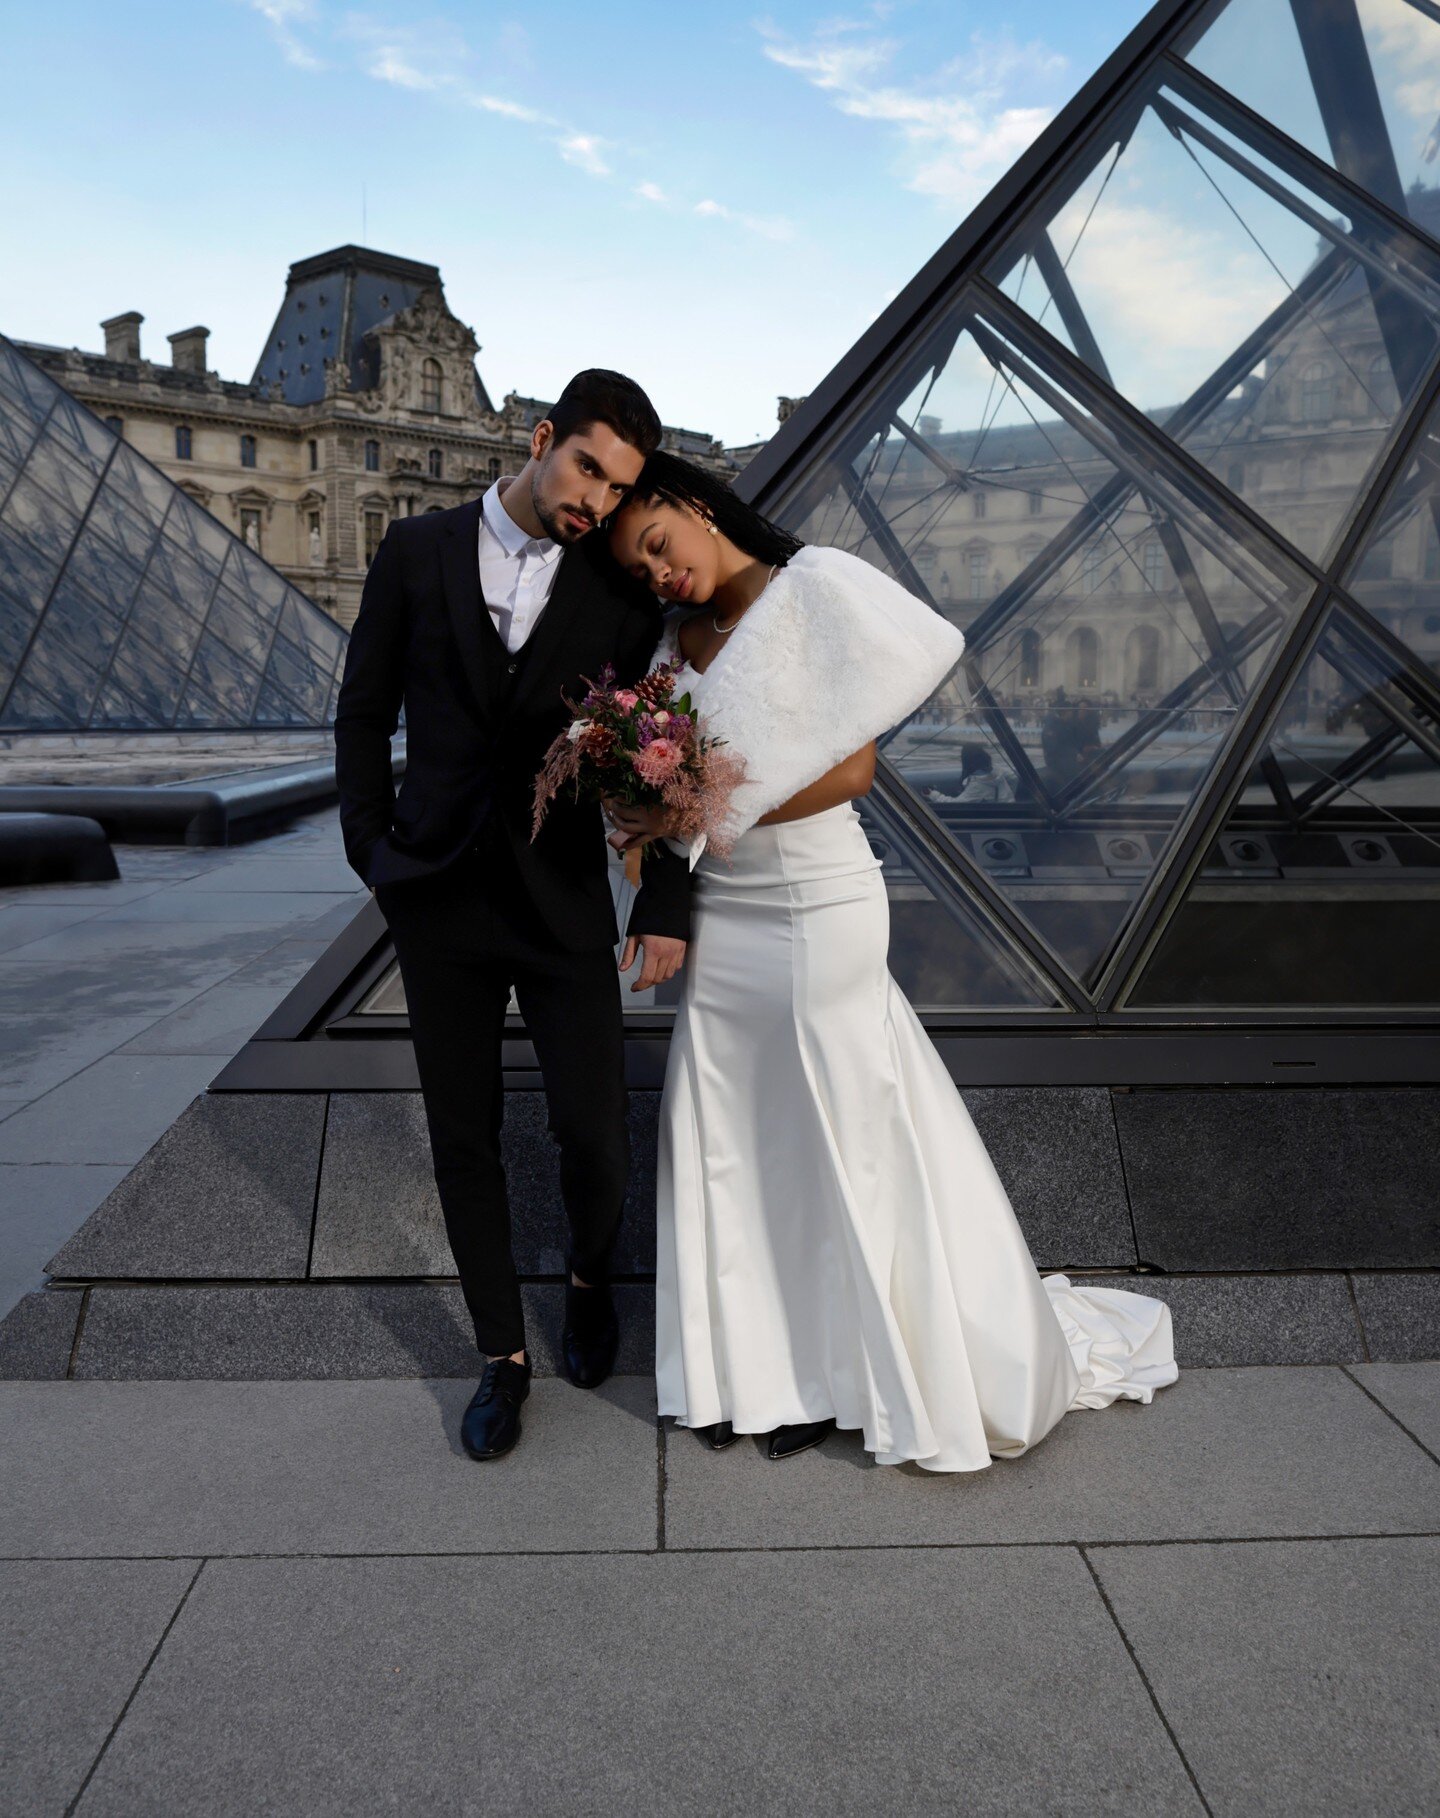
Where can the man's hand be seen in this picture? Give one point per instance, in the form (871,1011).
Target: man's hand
(663,958)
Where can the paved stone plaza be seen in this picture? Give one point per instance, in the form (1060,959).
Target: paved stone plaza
(301,1597)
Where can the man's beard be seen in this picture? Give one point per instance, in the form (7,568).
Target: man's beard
(557,526)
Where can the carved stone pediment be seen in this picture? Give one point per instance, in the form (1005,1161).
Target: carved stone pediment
(426,361)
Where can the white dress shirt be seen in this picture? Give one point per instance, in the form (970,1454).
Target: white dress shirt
(517,571)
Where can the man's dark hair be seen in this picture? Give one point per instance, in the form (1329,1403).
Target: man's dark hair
(598,396)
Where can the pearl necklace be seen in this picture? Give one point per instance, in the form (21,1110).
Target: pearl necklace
(725,630)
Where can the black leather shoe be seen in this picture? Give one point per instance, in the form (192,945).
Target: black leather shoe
(491,1423)
(719,1436)
(785,1442)
(591,1336)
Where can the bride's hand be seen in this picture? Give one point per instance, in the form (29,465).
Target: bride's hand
(638,822)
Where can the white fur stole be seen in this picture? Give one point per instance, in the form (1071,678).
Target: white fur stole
(831,654)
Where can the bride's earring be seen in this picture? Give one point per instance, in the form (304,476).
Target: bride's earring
(709,524)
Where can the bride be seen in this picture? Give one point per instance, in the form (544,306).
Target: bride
(835,1247)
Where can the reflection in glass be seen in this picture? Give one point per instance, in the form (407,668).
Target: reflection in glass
(1396,573)
(1374,51)
(1122,632)
(1273,331)
(1323,887)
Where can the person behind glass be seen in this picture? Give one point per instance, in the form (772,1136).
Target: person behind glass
(478,621)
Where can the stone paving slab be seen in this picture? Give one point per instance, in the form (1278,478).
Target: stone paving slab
(1220,1453)
(1299,1677)
(1411,1391)
(23,922)
(310,1332)
(1401,1312)
(37,1336)
(74,1638)
(378,1212)
(161,1469)
(218,1021)
(273,909)
(41,1049)
(229,1189)
(1298,1190)
(111,1113)
(1056,1152)
(1235,1320)
(822,1682)
(44,1206)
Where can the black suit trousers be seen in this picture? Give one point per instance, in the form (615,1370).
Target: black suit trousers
(463,938)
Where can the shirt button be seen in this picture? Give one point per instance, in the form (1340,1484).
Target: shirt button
(511,667)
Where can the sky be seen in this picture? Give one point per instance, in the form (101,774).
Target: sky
(714,199)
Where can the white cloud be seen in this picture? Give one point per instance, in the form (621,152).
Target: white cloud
(960,128)
(768,227)
(652,192)
(283,16)
(583,151)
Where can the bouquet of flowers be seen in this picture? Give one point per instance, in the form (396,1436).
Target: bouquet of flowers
(643,745)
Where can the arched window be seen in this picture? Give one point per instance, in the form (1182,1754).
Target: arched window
(430,385)
(1317,393)
(247,451)
(494,468)
(372,457)
(182,441)
(978,569)
(435,462)
(1142,660)
(977,503)
(1034,503)
(1153,568)
(314,448)
(1083,650)
(1029,676)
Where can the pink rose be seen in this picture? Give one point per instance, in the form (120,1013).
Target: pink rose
(626,699)
(658,762)
(660,717)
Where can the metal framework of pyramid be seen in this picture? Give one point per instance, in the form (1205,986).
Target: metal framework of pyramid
(126,607)
(1157,428)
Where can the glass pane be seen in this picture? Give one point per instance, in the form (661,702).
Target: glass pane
(1253,48)
(274,708)
(298,677)
(148,679)
(240,625)
(109,576)
(1323,889)
(249,578)
(116,517)
(1114,629)
(175,573)
(66,675)
(17,430)
(52,464)
(224,678)
(1272,335)
(157,617)
(28,708)
(1396,574)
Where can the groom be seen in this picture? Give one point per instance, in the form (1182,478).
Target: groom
(476,621)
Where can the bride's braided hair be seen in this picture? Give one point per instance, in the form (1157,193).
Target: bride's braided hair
(678,482)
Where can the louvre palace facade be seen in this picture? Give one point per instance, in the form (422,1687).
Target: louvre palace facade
(365,404)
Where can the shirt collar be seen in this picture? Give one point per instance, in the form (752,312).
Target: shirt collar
(512,538)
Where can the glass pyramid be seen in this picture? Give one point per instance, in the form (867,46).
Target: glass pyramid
(1157,429)
(124,605)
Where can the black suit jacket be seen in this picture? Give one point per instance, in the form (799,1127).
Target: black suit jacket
(424,639)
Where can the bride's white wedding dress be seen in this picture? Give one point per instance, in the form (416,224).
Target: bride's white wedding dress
(833,1239)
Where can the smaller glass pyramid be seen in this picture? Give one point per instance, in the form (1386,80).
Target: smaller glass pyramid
(123,605)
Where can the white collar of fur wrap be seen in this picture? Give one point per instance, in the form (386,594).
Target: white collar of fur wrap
(831,654)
